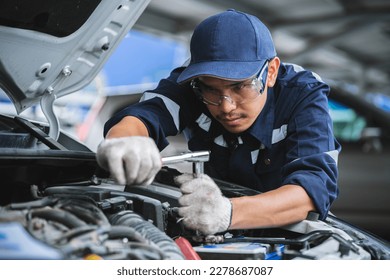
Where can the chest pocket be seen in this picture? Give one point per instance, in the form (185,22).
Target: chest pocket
(269,167)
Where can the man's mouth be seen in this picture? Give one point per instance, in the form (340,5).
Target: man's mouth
(230,120)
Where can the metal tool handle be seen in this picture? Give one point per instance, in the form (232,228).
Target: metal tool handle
(197,159)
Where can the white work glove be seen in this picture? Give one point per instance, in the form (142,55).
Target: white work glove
(130,160)
(203,207)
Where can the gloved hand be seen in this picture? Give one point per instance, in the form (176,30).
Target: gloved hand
(203,207)
(130,160)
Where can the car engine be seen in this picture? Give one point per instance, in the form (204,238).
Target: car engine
(141,223)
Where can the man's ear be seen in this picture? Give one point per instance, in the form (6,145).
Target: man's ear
(273,68)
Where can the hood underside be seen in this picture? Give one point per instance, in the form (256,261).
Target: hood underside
(53,48)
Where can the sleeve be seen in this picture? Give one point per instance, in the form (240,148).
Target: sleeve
(312,150)
(164,110)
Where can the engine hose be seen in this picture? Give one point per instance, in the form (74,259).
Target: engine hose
(120,231)
(46,201)
(148,231)
(84,210)
(57,215)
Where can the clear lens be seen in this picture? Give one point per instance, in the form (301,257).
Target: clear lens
(240,93)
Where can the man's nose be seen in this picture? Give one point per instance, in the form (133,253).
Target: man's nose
(227,104)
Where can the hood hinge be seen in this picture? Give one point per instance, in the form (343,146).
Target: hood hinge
(47,103)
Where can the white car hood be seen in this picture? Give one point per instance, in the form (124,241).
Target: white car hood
(49,49)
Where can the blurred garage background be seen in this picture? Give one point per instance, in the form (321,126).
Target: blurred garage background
(347,42)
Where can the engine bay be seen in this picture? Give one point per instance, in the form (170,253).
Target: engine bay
(141,223)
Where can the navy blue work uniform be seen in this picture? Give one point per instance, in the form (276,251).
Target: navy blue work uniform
(291,141)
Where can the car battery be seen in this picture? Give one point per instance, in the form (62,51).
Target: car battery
(239,251)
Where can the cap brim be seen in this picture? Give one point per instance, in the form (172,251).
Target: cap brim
(221,69)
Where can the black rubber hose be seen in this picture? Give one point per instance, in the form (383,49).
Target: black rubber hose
(119,231)
(85,211)
(46,201)
(148,231)
(57,215)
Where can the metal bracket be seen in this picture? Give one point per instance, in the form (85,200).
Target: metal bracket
(47,105)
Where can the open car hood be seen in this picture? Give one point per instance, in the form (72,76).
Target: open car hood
(49,49)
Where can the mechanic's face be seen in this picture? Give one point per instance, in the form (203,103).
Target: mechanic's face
(235,117)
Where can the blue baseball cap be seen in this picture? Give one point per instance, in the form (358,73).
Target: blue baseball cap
(231,45)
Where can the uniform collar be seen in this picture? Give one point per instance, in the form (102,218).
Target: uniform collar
(262,128)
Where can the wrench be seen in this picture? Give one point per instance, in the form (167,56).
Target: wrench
(197,158)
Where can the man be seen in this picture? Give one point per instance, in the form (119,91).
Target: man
(266,124)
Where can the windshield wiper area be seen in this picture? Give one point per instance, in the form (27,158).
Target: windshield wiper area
(39,134)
